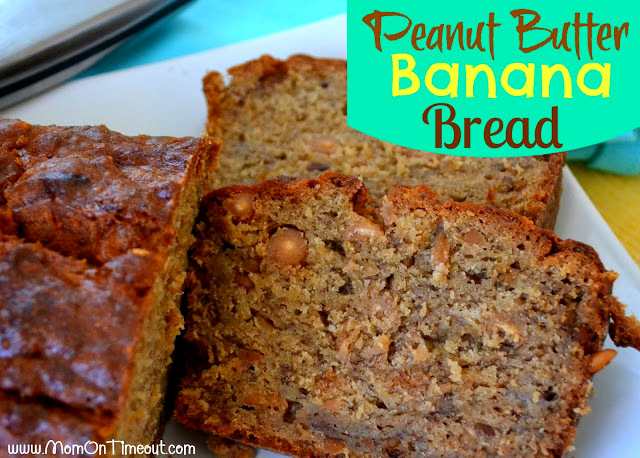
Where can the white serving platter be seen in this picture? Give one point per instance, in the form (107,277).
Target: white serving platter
(166,99)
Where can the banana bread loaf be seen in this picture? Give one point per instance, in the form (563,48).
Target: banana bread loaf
(289,118)
(94,229)
(319,328)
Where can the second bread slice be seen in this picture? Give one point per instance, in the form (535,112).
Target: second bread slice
(280,118)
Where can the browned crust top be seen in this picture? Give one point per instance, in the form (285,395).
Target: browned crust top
(86,219)
(91,193)
(68,329)
(267,66)
(295,190)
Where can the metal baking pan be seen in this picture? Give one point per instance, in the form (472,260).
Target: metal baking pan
(44,42)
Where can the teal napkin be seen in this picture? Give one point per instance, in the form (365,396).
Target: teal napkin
(620,155)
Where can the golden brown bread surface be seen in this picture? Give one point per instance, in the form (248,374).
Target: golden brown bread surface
(289,118)
(68,332)
(320,329)
(94,228)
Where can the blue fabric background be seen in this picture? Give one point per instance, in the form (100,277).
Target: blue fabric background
(207,24)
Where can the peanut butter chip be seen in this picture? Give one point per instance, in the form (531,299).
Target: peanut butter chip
(363,230)
(252,265)
(244,281)
(440,251)
(601,359)
(325,145)
(474,237)
(240,207)
(332,405)
(490,196)
(381,345)
(482,429)
(254,400)
(250,356)
(368,444)
(265,323)
(393,442)
(287,247)
(332,445)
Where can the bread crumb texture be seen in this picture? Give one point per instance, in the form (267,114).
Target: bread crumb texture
(318,327)
(289,118)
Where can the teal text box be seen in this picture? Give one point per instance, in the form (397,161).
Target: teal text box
(580,120)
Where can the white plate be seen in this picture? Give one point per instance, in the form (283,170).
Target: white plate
(166,99)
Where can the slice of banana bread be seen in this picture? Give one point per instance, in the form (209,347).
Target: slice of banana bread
(425,329)
(94,230)
(289,118)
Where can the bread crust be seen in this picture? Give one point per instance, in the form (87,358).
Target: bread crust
(86,224)
(551,194)
(92,193)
